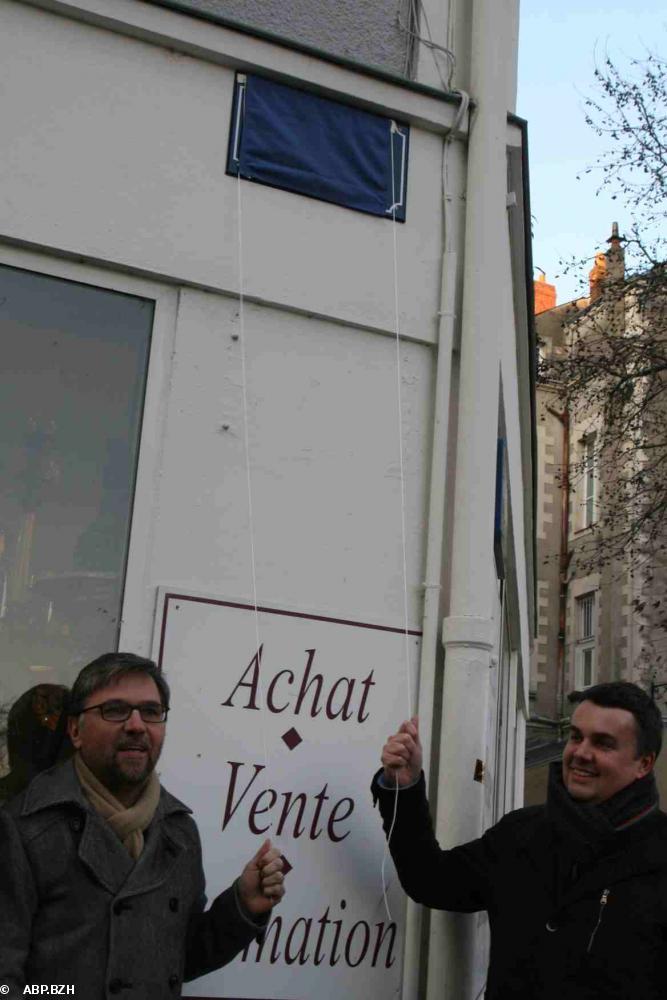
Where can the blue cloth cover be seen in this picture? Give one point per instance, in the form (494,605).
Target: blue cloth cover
(311,145)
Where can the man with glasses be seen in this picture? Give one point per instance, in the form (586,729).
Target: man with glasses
(101,879)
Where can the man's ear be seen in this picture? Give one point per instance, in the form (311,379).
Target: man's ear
(645,764)
(73,730)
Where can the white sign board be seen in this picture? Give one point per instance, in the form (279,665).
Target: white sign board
(280,738)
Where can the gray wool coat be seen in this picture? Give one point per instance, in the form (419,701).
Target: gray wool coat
(75,909)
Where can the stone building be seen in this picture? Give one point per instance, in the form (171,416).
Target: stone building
(590,629)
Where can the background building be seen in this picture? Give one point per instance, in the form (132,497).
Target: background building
(207,411)
(594,621)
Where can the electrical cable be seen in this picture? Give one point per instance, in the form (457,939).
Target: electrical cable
(427,42)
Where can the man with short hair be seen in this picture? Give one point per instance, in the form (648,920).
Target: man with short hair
(576,890)
(101,879)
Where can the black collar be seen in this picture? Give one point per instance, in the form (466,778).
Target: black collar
(592,830)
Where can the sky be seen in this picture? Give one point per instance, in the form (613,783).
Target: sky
(560,42)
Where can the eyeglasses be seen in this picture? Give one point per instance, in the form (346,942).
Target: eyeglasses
(120,711)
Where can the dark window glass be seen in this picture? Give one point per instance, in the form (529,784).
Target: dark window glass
(72,381)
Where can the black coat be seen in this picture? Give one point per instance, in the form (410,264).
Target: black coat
(552,936)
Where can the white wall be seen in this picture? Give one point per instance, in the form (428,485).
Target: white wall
(116,150)
(323,463)
(116,153)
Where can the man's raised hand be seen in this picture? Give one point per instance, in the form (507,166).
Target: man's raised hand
(261,883)
(402,755)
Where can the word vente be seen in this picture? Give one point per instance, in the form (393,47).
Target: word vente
(300,803)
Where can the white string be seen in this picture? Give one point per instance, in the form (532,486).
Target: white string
(251,525)
(408,673)
(399,411)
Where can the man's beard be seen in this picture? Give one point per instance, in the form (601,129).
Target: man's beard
(128,773)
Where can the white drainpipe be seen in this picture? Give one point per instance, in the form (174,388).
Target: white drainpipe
(469,631)
(452,229)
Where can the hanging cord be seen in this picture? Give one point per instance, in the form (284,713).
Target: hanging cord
(246,436)
(399,413)
(399,410)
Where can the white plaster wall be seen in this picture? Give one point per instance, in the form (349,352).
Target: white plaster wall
(115,152)
(324,465)
(115,149)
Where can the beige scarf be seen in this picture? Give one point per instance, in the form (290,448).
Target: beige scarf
(127,824)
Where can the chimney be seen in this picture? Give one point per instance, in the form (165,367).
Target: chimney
(545,294)
(609,266)
(596,276)
(615,255)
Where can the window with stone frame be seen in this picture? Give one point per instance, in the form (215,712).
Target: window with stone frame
(586,640)
(589,481)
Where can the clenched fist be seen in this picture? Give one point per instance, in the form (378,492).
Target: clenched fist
(261,882)
(402,755)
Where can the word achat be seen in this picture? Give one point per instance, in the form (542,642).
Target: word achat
(345,698)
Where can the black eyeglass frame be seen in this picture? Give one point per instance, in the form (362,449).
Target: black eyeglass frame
(103,704)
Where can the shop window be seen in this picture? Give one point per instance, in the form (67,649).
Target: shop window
(74,361)
(311,145)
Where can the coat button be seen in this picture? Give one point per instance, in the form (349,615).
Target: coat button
(173,904)
(76,824)
(552,926)
(173,980)
(120,905)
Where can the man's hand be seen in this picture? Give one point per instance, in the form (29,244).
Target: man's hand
(402,755)
(261,883)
